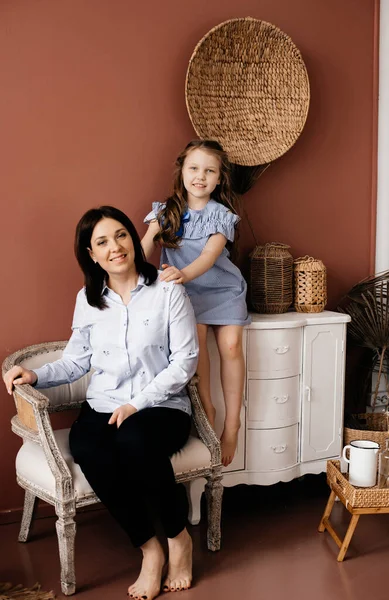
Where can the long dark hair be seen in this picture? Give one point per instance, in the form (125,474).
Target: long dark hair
(170,217)
(94,275)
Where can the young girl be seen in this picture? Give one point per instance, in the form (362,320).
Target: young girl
(193,228)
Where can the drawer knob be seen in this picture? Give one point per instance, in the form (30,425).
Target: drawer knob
(281,399)
(308,393)
(279,449)
(281,349)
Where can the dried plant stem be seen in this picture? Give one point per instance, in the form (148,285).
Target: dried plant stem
(377,386)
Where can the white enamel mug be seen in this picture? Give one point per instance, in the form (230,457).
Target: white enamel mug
(362,470)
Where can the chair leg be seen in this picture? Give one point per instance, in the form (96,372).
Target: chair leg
(195,489)
(28,513)
(66,532)
(214,494)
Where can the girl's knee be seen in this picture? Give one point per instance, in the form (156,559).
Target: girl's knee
(232,348)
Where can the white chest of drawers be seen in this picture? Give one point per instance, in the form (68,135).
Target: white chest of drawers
(292,413)
(293,406)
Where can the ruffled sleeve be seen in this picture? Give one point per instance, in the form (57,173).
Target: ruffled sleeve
(153,214)
(228,222)
(217,220)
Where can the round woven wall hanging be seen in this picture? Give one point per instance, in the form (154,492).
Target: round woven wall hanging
(247,87)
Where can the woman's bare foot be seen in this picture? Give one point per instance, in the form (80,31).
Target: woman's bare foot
(229,440)
(179,575)
(148,584)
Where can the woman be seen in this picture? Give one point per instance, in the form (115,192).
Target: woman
(139,336)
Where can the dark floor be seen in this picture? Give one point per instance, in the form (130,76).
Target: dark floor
(270,549)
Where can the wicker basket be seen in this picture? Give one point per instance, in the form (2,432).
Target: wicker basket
(310,283)
(247,87)
(271,278)
(377,429)
(357,497)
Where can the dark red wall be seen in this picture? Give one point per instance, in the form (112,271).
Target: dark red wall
(92,111)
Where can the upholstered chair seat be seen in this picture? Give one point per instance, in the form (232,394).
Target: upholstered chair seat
(32,466)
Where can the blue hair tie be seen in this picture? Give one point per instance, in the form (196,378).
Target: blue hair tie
(184,219)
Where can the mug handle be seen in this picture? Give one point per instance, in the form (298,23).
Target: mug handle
(348,447)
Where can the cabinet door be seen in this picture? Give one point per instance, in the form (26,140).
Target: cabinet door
(322,391)
(218,401)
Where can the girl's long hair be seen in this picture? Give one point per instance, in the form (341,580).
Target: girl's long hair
(94,276)
(169,217)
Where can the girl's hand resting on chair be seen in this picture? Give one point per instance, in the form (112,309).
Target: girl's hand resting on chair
(122,413)
(18,376)
(172,274)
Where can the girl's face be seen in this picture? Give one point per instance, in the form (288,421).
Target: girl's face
(112,247)
(200,174)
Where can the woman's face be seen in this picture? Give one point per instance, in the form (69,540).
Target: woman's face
(112,247)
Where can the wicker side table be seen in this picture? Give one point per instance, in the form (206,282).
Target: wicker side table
(358,501)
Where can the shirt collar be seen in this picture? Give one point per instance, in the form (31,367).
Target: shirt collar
(141,283)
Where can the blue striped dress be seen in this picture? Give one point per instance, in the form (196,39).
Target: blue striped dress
(219,295)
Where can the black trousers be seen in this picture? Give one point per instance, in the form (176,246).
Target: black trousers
(130,470)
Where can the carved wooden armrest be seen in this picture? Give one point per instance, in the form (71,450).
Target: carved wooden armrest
(203,427)
(29,403)
(33,423)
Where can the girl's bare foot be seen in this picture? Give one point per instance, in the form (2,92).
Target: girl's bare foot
(148,584)
(179,575)
(229,440)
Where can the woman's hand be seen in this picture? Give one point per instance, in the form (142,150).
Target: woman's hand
(122,413)
(172,274)
(18,376)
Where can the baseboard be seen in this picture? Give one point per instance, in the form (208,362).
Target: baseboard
(42,511)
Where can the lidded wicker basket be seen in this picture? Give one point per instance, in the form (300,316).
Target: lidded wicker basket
(271,278)
(310,282)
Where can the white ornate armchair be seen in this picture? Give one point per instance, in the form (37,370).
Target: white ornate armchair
(46,470)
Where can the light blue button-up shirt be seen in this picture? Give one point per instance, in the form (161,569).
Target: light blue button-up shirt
(143,353)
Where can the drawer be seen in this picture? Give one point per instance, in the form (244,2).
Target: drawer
(272,449)
(274,353)
(273,402)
